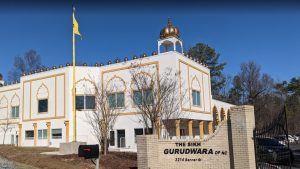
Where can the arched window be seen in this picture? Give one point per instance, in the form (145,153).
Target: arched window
(196,92)
(142,89)
(116,88)
(228,114)
(42,98)
(166,46)
(3,102)
(3,107)
(15,103)
(85,95)
(179,47)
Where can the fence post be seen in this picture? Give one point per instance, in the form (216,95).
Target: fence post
(147,151)
(242,125)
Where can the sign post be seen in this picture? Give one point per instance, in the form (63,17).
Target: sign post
(97,163)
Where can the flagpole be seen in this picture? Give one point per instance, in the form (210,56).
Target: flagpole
(74,84)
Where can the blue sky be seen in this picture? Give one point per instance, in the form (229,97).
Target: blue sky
(270,37)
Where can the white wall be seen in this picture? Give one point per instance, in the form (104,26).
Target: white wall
(11,132)
(9,96)
(49,85)
(56,85)
(129,123)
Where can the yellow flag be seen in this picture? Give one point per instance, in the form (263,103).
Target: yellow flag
(75,25)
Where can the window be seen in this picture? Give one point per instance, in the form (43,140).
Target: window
(90,102)
(139,131)
(148,131)
(196,98)
(43,105)
(79,102)
(56,133)
(116,100)
(145,96)
(182,132)
(137,97)
(15,111)
(42,134)
(29,135)
(85,102)
(112,138)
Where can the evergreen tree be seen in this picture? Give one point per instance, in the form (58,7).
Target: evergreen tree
(236,92)
(291,91)
(210,57)
(294,86)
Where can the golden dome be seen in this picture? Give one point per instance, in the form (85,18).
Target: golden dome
(169,31)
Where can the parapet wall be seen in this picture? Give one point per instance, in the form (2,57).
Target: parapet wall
(230,146)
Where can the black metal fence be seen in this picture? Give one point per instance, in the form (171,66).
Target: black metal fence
(271,142)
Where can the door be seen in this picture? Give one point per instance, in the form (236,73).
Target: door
(12,139)
(121,138)
(17,138)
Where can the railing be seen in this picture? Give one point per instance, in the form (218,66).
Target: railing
(272,144)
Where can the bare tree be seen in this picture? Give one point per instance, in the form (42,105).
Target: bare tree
(253,83)
(224,91)
(29,62)
(104,115)
(252,87)
(156,96)
(5,128)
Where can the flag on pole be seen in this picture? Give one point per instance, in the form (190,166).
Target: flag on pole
(75,24)
(75,32)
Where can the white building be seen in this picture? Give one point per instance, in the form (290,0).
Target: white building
(39,112)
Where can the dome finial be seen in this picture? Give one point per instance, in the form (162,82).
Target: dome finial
(169,21)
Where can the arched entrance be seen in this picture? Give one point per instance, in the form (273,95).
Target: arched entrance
(223,115)
(215,117)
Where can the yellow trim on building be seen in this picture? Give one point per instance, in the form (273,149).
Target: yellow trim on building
(190,109)
(190,127)
(201,129)
(20,135)
(10,90)
(177,126)
(55,97)
(67,131)
(35,133)
(210,127)
(48,124)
